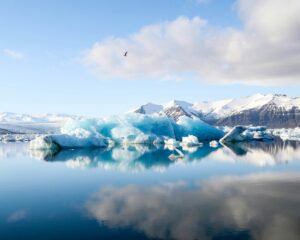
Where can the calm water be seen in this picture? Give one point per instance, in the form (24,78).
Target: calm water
(246,191)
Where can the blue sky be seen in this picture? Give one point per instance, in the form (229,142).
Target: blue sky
(42,44)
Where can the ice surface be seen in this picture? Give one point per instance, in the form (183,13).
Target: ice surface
(287,133)
(80,139)
(5,138)
(240,133)
(128,129)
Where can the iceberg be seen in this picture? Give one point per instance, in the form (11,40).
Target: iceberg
(127,130)
(78,139)
(240,133)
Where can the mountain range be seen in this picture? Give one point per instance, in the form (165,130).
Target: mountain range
(271,110)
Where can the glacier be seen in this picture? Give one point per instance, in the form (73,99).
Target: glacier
(127,129)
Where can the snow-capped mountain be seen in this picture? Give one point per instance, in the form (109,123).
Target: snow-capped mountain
(16,123)
(272,110)
(10,117)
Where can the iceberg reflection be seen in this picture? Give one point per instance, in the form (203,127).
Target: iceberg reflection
(132,158)
(259,206)
(141,157)
(259,153)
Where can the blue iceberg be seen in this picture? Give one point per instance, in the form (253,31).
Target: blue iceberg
(127,129)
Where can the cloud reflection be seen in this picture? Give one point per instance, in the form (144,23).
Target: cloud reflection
(17,216)
(260,206)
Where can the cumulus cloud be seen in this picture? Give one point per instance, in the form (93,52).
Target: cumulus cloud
(266,51)
(14,54)
(262,206)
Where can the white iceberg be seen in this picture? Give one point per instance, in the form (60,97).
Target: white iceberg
(79,139)
(190,141)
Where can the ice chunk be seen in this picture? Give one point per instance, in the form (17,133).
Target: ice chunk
(190,141)
(234,135)
(240,133)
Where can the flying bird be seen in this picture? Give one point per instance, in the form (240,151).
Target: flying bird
(125,54)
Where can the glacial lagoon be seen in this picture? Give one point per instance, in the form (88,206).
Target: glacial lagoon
(248,190)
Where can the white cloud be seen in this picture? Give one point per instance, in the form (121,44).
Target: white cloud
(14,54)
(265,52)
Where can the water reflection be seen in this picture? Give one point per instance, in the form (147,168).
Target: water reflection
(141,157)
(260,153)
(259,206)
(127,158)
(199,198)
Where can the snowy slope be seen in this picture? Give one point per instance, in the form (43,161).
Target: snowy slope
(148,108)
(271,109)
(229,107)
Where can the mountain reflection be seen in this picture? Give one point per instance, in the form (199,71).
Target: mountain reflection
(259,206)
(141,157)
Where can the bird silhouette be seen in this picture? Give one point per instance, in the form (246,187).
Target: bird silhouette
(125,54)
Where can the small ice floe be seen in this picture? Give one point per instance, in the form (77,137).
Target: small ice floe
(174,157)
(214,144)
(190,141)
